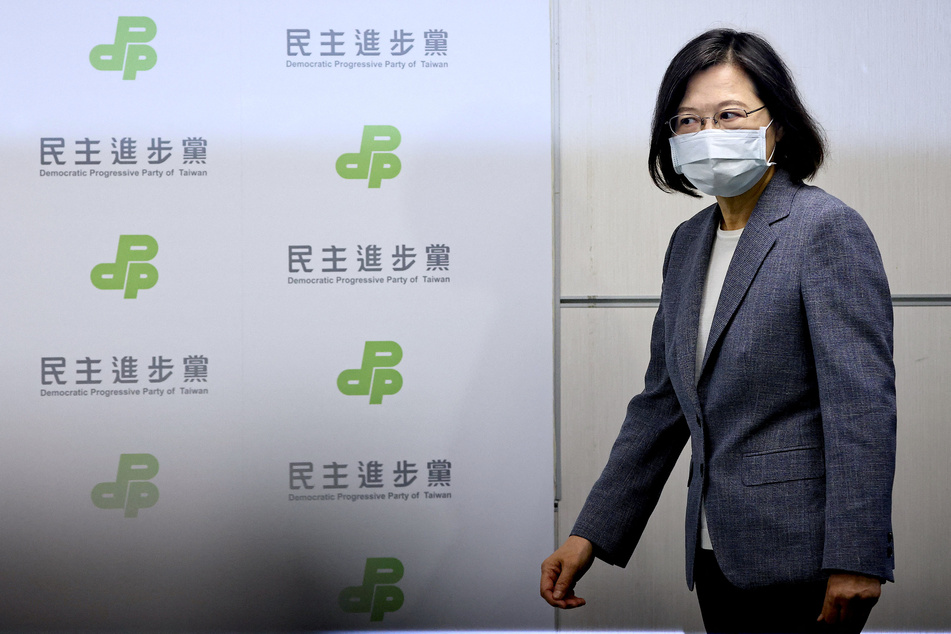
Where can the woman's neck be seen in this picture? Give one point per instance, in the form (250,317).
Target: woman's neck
(736,210)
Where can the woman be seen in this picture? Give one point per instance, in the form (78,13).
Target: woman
(771,353)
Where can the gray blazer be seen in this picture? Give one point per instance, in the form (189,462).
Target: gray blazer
(792,422)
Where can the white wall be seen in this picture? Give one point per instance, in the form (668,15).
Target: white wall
(875,75)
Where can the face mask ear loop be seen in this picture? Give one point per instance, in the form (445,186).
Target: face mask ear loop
(769,161)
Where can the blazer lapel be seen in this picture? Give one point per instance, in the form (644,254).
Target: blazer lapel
(756,242)
(688,317)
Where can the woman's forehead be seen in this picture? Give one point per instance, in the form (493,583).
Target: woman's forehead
(719,86)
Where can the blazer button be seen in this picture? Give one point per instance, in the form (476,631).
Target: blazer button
(889,538)
(701,469)
(890,552)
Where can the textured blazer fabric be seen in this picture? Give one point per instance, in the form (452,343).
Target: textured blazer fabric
(792,420)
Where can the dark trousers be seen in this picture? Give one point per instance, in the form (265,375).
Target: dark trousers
(791,608)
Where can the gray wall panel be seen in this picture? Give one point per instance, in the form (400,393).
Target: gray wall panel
(866,70)
(603,356)
(874,76)
(922,506)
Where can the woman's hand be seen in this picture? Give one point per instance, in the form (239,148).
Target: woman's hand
(563,569)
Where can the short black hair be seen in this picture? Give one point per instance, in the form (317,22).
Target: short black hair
(801,149)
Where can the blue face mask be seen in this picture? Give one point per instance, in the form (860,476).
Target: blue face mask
(721,162)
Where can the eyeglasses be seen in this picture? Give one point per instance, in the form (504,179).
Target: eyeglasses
(730,119)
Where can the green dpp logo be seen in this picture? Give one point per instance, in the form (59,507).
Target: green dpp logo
(375,160)
(129,271)
(376,375)
(132,489)
(129,52)
(377,595)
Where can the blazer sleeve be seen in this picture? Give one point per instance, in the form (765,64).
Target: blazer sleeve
(651,439)
(849,311)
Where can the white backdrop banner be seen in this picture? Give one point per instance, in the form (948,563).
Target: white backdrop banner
(277,314)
